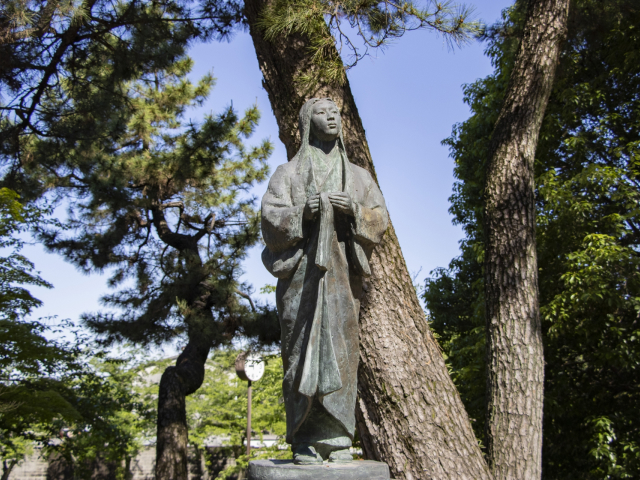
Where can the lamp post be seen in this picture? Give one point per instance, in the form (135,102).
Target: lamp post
(249,367)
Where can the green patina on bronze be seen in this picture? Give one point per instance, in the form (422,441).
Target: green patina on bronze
(321,218)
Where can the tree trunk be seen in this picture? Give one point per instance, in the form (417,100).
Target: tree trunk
(176,383)
(128,474)
(514,340)
(409,412)
(7,467)
(188,373)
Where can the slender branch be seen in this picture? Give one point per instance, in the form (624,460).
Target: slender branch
(245,295)
(179,205)
(206,230)
(146,240)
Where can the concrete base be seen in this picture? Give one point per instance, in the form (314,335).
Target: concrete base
(286,470)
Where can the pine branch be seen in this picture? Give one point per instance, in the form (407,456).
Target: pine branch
(66,40)
(179,241)
(376,24)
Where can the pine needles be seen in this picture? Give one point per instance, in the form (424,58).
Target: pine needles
(343,32)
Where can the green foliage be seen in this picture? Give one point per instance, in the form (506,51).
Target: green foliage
(267,289)
(94,120)
(333,25)
(156,199)
(219,407)
(13,452)
(87,414)
(588,241)
(15,269)
(96,95)
(28,359)
(45,385)
(49,47)
(113,420)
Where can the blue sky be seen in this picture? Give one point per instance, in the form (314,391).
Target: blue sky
(409,97)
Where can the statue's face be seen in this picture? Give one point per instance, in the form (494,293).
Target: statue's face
(325,121)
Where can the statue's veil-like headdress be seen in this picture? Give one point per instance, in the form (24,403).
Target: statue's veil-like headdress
(304,125)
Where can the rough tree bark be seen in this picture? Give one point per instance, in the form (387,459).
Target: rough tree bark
(409,412)
(514,339)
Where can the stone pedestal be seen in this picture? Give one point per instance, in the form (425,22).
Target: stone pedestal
(286,470)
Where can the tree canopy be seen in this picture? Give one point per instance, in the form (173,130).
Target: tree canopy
(51,52)
(108,139)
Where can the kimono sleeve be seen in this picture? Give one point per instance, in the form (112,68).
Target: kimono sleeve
(281,220)
(371,218)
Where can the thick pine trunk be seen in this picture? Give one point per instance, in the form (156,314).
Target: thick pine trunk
(514,339)
(409,412)
(176,383)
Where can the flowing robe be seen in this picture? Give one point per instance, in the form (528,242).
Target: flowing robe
(319,265)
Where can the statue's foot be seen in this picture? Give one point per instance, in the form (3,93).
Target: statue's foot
(306,455)
(340,456)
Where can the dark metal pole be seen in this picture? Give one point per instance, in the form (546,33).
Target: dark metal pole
(249,422)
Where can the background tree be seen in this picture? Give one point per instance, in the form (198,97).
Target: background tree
(84,418)
(44,43)
(409,412)
(218,411)
(587,187)
(28,361)
(113,420)
(45,385)
(160,203)
(515,359)
(220,408)
(351,29)
(94,122)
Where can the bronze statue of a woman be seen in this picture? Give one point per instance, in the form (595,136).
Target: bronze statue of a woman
(321,218)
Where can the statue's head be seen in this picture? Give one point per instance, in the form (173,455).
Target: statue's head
(326,123)
(320,118)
